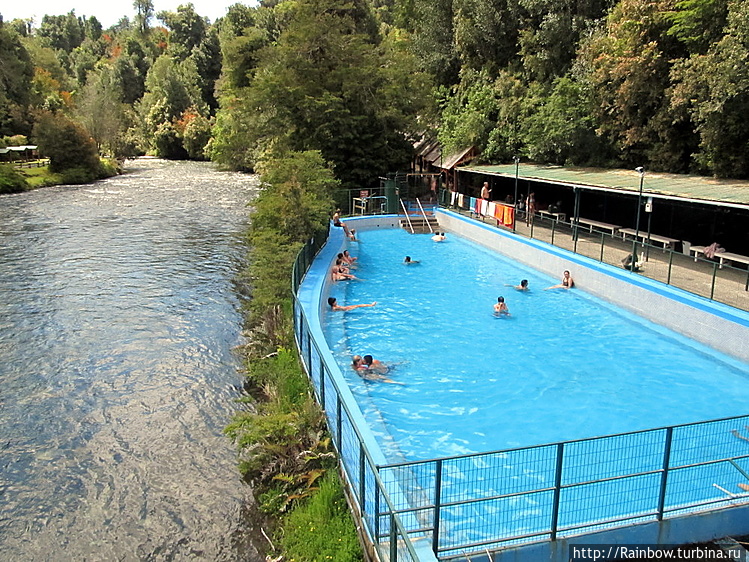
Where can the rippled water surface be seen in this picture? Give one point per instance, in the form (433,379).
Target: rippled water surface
(117,321)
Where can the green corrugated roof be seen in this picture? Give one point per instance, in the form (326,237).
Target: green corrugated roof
(734,193)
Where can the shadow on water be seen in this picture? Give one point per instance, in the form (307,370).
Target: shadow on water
(118,315)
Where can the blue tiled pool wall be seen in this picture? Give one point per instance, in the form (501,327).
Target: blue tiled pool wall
(358,450)
(717,325)
(509,497)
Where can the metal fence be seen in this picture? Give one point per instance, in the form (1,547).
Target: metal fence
(707,278)
(461,505)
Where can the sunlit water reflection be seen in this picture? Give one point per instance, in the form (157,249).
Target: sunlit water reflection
(117,321)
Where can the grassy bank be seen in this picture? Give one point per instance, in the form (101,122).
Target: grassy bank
(284,448)
(16,180)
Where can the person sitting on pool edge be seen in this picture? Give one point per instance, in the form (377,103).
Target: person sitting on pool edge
(567,282)
(409,261)
(335,306)
(500,308)
(522,287)
(340,273)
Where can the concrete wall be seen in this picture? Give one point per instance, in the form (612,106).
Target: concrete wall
(717,325)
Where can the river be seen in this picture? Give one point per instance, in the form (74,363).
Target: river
(118,319)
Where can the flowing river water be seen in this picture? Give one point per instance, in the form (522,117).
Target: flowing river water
(118,316)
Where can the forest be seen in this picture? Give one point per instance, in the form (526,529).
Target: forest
(662,84)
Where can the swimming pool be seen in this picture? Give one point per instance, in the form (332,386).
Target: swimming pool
(563,366)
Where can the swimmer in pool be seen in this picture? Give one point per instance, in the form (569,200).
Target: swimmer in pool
(522,287)
(567,282)
(335,306)
(370,371)
(375,364)
(409,261)
(500,308)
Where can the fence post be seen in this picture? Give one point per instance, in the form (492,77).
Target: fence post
(338,424)
(393,540)
(603,241)
(437,503)
(362,480)
(322,383)
(553,225)
(309,351)
(377,513)
(712,285)
(664,474)
(557,491)
(670,264)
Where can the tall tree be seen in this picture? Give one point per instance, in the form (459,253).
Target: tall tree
(143,13)
(186,30)
(714,89)
(328,85)
(628,65)
(16,73)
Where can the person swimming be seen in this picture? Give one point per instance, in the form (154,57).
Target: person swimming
(409,261)
(335,306)
(500,307)
(522,287)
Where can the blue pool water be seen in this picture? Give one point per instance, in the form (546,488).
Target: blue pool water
(564,366)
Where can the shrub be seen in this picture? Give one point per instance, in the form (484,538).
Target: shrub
(67,145)
(11,181)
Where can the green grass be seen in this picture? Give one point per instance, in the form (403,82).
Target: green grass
(320,529)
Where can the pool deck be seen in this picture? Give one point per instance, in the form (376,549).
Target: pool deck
(686,273)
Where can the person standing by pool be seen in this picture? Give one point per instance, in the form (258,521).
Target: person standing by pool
(567,282)
(530,208)
(335,306)
(485,191)
(500,308)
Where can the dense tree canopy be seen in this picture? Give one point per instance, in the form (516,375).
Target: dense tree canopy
(657,83)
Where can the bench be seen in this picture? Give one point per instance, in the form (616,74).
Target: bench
(697,250)
(722,257)
(668,243)
(556,217)
(613,228)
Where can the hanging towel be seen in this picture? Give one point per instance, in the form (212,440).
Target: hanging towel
(509,216)
(499,213)
(491,209)
(484,207)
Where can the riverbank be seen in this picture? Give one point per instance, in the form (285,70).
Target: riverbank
(284,448)
(17,180)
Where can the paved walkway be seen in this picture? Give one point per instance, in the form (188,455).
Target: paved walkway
(703,277)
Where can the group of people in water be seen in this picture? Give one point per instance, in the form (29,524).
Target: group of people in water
(372,369)
(501,308)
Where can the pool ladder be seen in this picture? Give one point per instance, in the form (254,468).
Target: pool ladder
(417,223)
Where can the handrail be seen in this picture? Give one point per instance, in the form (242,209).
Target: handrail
(423,213)
(364,452)
(408,219)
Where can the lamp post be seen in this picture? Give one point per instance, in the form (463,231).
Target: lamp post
(640,170)
(515,201)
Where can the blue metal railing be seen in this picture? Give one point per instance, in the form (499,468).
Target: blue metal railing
(469,503)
